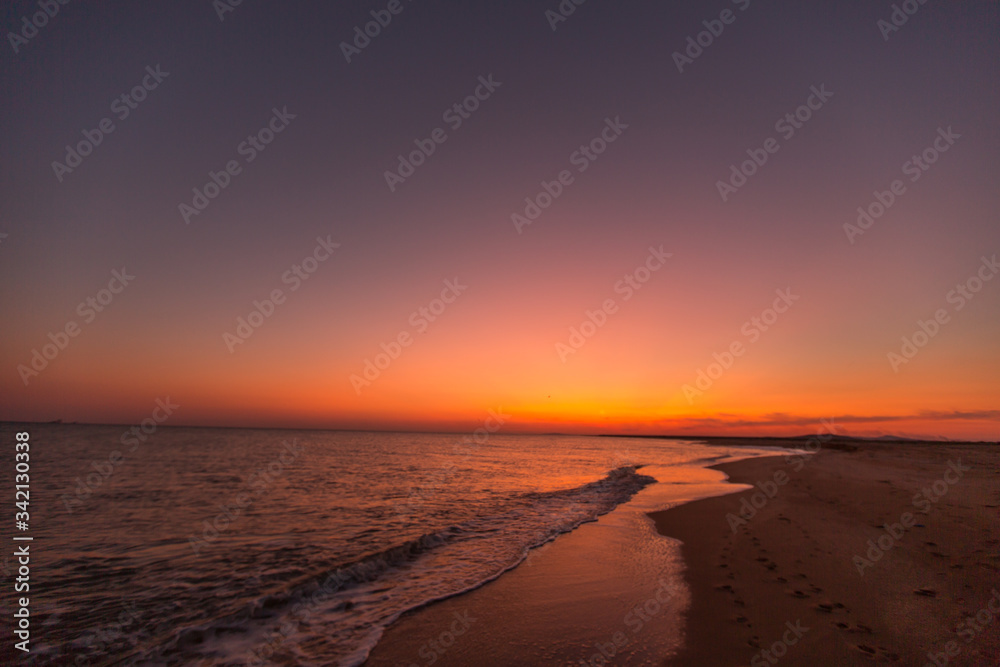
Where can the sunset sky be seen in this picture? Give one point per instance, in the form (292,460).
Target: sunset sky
(879,98)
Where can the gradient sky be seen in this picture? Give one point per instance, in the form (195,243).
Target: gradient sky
(496,345)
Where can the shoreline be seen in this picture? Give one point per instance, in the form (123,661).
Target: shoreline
(785,577)
(784,586)
(610,588)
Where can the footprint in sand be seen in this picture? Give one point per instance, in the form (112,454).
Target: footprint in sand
(878,653)
(858,629)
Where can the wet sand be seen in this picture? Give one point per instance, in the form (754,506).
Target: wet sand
(609,592)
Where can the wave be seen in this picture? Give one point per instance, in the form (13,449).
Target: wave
(356,601)
(617,487)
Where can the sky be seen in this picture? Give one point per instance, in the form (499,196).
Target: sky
(629,217)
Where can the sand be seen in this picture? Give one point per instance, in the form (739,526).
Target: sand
(798,579)
(797,563)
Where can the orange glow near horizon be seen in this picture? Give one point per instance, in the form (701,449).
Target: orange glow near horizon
(418,392)
(639,373)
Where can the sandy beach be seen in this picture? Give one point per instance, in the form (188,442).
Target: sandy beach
(818,557)
(838,558)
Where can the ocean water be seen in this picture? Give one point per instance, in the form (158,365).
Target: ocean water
(249,547)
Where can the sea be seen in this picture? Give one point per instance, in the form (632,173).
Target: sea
(216,546)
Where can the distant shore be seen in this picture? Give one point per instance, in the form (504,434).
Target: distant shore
(795,441)
(831,559)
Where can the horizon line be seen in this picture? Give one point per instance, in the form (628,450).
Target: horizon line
(829,436)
